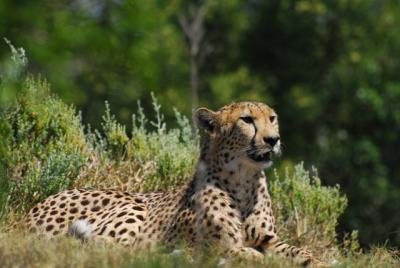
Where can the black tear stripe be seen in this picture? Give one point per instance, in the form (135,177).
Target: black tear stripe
(253,140)
(255,133)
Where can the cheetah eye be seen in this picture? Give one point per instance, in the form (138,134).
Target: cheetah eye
(247,119)
(272,118)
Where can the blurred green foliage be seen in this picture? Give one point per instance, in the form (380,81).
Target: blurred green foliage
(330,69)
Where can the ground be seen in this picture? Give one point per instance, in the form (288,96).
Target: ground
(20,250)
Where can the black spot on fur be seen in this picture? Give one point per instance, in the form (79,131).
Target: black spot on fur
(122,231)
(73,210)
(102,230)
(96,208)
(130,220)
(217,236)
(253,232)
(266,239)
(105,201)
(122,214)
(60,220)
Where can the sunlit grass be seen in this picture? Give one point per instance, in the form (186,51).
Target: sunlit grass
(18,249)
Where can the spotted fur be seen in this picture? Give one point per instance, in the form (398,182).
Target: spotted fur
(226,203)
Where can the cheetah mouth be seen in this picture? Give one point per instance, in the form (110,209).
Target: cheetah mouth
(266,157)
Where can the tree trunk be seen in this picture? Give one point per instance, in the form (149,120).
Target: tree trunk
(194,81)
(192,25)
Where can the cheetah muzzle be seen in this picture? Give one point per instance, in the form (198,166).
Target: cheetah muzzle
(226,203)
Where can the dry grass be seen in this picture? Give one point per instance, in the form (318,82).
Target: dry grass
(18,249)
(123,175)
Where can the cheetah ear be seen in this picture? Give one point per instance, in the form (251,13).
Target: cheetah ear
(205,119)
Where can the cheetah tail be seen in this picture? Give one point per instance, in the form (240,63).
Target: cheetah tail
(81,230)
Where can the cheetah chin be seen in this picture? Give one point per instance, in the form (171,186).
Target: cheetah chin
(260,157)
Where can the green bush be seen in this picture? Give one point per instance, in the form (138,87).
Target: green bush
(47,146)
(154,158)
(115,135)
(173,152)
(306,211)
(10,78)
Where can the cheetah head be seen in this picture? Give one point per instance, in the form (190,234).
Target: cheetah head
(243,133)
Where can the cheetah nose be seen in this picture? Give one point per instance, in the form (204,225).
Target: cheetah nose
(271,140)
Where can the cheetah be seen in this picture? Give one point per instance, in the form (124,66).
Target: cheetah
(226,203)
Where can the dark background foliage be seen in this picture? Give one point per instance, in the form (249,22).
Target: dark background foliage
(330,69)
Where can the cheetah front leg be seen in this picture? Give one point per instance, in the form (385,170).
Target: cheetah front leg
(299,255)
(260,231)
(219,222)
(262,235)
